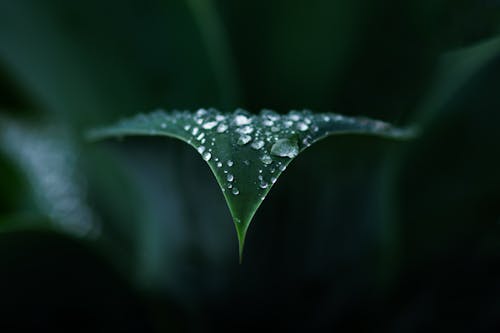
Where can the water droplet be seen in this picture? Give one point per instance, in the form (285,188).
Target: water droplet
(207,156)
(199,137)
(294,116)
(187,127)
(201,149)
(267,122)
(209,125)
(287,123)
(219,164)
(302,126)
(282,167)
(201,112)
(263,185)
(258,144)
(245,130)
(273,179)
(244,139)
(285,148)
(219,117)
(235,191)
(229,185)
(241,120)
(163,125)
(275,129)
(246,162)
(230,163)
(195,131)
(266,159)
(222,128)
(230,177)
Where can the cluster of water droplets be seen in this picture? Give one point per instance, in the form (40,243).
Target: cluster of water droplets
(232,142)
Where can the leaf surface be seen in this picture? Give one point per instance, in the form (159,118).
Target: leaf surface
(247,153)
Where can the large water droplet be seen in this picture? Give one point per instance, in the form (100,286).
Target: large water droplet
(219,164)
(235,191)
(244,139)
(285,148)
(230,177)
(201,149)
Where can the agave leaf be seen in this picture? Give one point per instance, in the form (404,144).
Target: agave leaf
(247,153)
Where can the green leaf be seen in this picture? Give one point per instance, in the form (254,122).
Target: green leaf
(247,153)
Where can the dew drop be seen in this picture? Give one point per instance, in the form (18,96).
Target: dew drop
(187,127)
(230,163)
(222,128)
(287,123)
(219,164)
(199,137)
(244,139)
(285,148)
(245,130)
(263,185)
(207,156)
(195,131)
(241,120)
(267,122)
(273,180)
(235,191)
(266,159)
(302,126)
(230,177)
(201,149)
(209,125)
(258,144)
(163,125)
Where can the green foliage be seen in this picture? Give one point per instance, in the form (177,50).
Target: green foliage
(360,233)
(247,153)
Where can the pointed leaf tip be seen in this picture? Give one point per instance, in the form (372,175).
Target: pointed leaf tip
(247,153)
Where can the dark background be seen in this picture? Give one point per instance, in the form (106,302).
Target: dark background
(360,234)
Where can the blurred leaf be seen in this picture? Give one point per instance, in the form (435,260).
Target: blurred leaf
(247,153)
(46,157)
(455,70)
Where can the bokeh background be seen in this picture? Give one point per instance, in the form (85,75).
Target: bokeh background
(359,235)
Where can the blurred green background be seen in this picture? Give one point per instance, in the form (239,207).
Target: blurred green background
(360,234)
